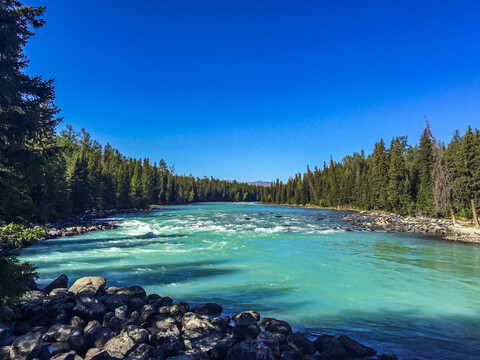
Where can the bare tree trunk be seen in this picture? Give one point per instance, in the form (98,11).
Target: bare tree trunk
(474,211)
(452,213)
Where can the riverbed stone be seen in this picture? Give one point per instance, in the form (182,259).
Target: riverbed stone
(60,282)
(145,352)
(276,326)
(246,328)
(211,309)
(28,345)
(127,339)
(220,350)
(250,350)
(255,315)
(330,347)
(88,286)
(354,348)
(89,309)
(62,333)
(299,342)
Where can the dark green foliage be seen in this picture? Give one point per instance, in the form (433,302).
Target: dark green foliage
(27,115)
(426,179)
(14,278)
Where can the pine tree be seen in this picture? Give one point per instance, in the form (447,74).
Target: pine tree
(27,113)
(380,175)
(470,176)
(78,185)
(425,196)
(398,196)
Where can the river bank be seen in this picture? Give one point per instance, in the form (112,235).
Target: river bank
(374,221)
(91,322)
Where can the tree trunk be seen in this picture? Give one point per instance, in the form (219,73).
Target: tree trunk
(474,211)
(454,218)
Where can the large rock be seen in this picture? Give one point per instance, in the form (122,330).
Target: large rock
(28,345)
(246,328)
(145,352)
(219,352)
(132,291)
(299,342)
(330,347)
(250,350)
(168,340)
(208,309)
(6,334)
(71,355)
(198,333)
(354,348)
(127,339)
(61,333)
(88,286)
(271,340)
(276,326)
(60,282)
(89,309)
(255,314)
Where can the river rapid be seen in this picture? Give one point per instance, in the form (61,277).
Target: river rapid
(399,293)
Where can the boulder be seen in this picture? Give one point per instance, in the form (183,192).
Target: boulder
(88,286)
(220,350)
(221,323)
(132,292)
(60,282)
(250,350)
(145,352)
(77,322)
(71,355)
(28,345)
(299,342)
(6,334)
(354,348)
(246,328)
(169,341)
(114,301)
(255,314)
(271,340)
(60,293)
(89,309)
(276,326)
(62,333)
(211,309)
(126,340)
(330,347)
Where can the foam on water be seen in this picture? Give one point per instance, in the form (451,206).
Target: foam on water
(400,293)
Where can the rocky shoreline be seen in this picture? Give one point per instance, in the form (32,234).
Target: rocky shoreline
(90,322)
(440,228)
(391,222)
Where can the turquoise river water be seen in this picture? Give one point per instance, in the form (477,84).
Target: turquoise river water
(400,293)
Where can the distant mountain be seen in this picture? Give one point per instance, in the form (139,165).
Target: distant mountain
(256,183)
(260,183)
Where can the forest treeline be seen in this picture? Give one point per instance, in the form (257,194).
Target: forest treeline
(429,178)
(77,174)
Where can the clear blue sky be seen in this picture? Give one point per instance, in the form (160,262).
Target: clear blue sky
(254,90)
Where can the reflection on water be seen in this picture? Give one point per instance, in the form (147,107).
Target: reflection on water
(401,293)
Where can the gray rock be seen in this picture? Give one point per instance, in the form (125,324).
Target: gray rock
(330,347)
(132,292)
(89,309)
(299,342)
(250,350)
(246,328)
(354,348)
(145,352)
(255,314)
(220,350)
(126,340)
(208,309)
(276,326)
(86,286)
(72,355)
(6,334)
(121,312)
(60,293)
(77,322)
(28,345)
(62,333)
(271,340)
(60,282)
